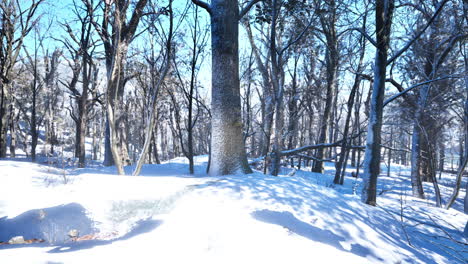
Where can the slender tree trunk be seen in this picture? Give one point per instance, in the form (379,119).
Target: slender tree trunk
(279,90)
(83,116)
(151,119)
(13,122)
(34,134)
(268,98)
(328,22)
(108,159)
(155,145)
(465,232)
(441,157)
(383,21)
(332,68)
(4,102)
(341,164)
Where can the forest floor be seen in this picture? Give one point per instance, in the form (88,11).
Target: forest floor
(167,216)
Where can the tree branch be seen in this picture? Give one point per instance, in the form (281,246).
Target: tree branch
(246,9)
(369,38)
(392,98)
(402,50)
(317,146)
(203,5)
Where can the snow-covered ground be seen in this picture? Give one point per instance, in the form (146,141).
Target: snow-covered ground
(167,216)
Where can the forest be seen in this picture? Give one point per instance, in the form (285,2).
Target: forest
(287,102)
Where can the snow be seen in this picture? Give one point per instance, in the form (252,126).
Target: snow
(168,216)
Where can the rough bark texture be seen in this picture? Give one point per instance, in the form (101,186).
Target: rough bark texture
(416,183)
(4,103)
(383,20)
(227,146)
(276,75)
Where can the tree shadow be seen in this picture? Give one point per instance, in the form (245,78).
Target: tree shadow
(290,222)
(53,225)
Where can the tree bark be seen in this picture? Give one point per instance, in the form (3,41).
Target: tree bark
(227,146)
(331,60)
(383,21)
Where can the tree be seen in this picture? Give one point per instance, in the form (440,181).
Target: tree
(81,47)
(384,11)
(117,32)
(227,145)
(383,22)
(328,20)
(151,117)
(17,20)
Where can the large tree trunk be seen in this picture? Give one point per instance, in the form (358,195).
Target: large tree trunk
(383,21)
(227,146)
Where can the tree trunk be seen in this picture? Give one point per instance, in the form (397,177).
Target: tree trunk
(465,232)
(13,122)
(341,163)
(416,183)
(383,21)
(34,134)
(332,68)
(83,116)
(227,146)
(150,123)
(4,103)
(328,21)
(268,98)
(108,159)
(441,157)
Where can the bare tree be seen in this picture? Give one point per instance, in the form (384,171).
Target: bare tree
(383,21)
(17,20)
(117,31)
(152,115)
(81,47)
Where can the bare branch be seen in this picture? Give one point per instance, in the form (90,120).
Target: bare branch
(406,47)
(369,38)
(246,9)
(392,98)
(203,5)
